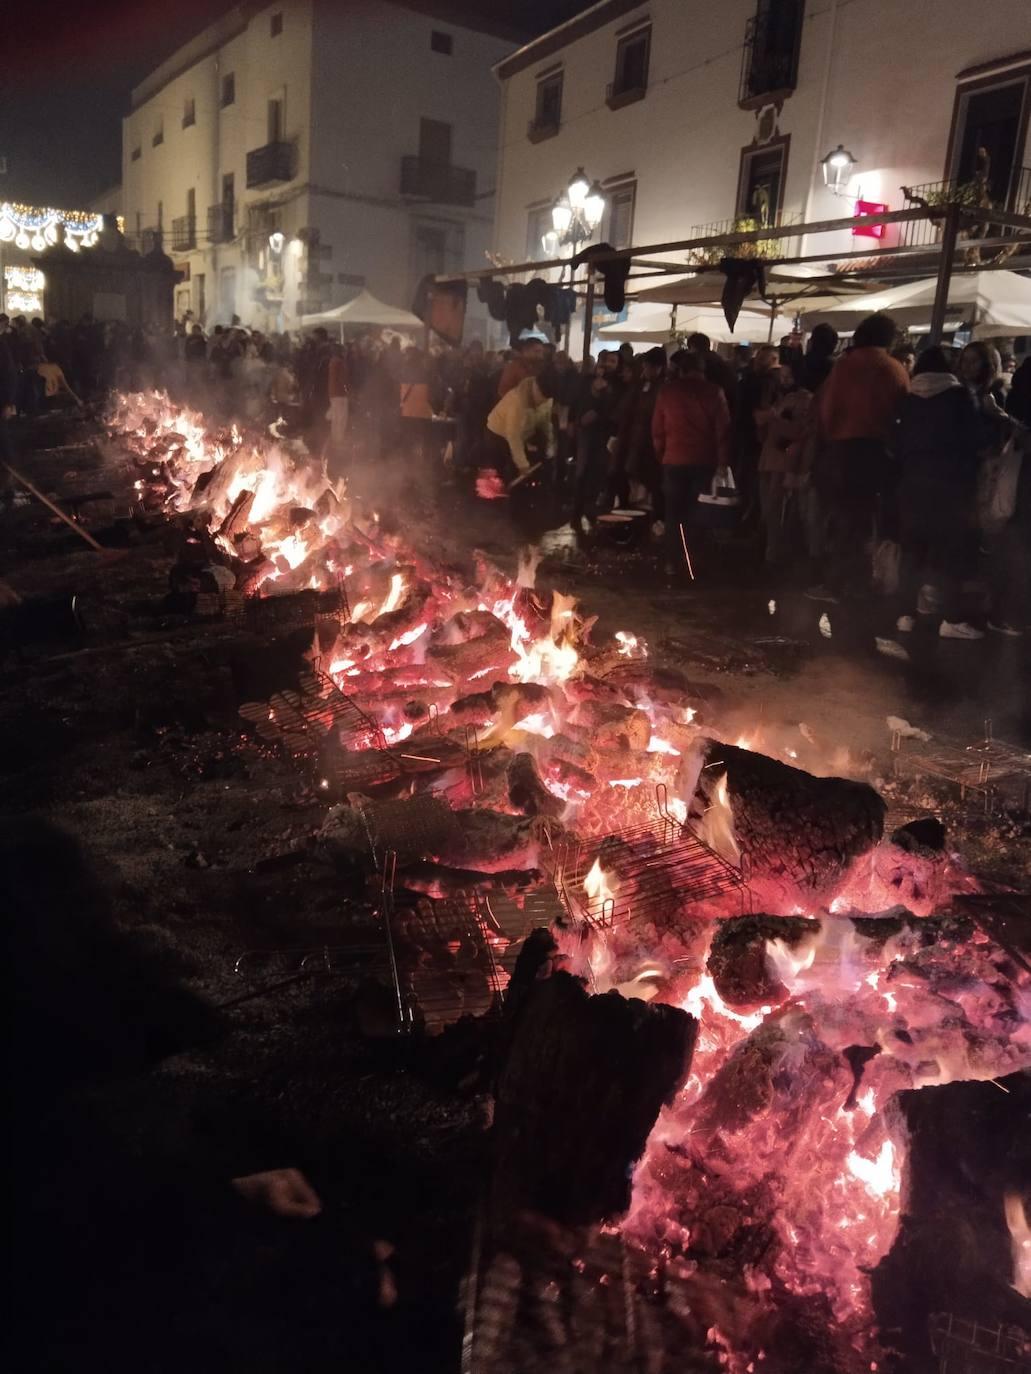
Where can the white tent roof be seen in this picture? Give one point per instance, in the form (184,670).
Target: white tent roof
(787,290)
(995,302)
(365,310)
(651,324)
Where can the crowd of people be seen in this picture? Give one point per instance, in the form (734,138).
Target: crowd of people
(845,465)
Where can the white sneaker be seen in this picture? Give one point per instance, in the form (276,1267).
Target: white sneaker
(959,629)
(891,648)
(825,625)
(906,624)
(1003,627)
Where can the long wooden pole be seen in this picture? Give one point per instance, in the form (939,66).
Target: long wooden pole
(588,315)
(950,233)
(57,511)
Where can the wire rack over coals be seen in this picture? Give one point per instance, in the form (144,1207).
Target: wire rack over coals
(643,873)
(443,952)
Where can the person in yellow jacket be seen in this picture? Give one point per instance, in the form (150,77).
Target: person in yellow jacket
(522,414)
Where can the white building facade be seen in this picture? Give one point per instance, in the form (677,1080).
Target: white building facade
(697,117)
(294,153)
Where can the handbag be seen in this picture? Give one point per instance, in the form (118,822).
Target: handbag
(997,481)
(718,507)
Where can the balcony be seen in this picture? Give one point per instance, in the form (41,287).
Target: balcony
(741,224)
(539,129)
(769,60)
(269,165)
(437,182)
(184,234)
(220,222)
(972,195)
(151,240)
(616,96)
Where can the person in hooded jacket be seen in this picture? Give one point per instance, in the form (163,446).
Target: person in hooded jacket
(939,436)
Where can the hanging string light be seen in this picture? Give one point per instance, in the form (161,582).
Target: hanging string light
(36,228)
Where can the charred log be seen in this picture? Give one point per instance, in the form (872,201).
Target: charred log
(527,792)
(579,1092)
(790,824)
(737,958)
(968,1147)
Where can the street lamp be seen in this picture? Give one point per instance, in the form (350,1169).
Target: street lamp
(576,214)
(837,169)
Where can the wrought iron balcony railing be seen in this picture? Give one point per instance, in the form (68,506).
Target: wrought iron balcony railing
(184,233)
(742,224)
(220,222)
(974,195)
(270,164)
(769,60)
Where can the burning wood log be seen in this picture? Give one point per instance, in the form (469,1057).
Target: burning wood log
(527,792)
(791,826)
(738,961)
(489,649)
(578,1094)
(614,726)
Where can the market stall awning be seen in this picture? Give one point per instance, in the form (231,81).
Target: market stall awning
(654,324)
(993,302)
(786,292)
(365,311)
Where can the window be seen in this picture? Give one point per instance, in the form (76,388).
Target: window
(202,304)
(442,42)
(161,215)
(191,205)
(435,142)
(136,154)
(275,24)
(538,224)
(618,225)
(770,58)
(229,89)
(989,126)
(631,80)
(760,187)
(275,121)
(548,111)
(229,192)
(159,136)
(189,112)
(438,248)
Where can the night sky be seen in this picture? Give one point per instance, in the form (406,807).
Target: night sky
(66,72)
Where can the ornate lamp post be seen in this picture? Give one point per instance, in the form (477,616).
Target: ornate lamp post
(574,218)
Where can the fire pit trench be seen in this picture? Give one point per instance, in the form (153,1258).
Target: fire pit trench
(762,1099)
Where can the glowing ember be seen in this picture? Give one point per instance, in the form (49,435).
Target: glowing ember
(489,485)
(661,746)
(409,637)
(878,1176)
(630,646)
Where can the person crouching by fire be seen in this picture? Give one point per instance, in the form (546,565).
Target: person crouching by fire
(520,425)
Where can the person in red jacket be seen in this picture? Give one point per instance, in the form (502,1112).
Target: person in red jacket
(691,435)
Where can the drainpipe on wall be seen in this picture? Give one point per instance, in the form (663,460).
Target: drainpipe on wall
(805,247)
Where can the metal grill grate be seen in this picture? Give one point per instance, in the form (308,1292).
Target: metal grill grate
(649,871)
(317,714)
(967,1347)
(987,770)
(444,957)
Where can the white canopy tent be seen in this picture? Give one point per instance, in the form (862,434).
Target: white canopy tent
(786,294)
(364,312)
(992,302)
(654,325)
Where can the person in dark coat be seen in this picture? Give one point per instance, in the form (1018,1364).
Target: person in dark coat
(635,453)
(937,445)
(594,427)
